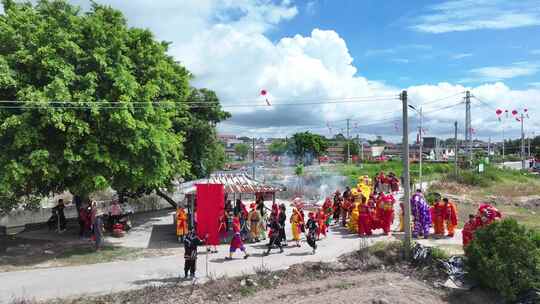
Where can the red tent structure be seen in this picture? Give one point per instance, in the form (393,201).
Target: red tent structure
(231,185)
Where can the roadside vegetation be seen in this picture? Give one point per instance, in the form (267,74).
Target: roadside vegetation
(355,278)
(515,193)
(430,171)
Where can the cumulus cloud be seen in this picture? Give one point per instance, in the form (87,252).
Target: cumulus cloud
(225,44)
(494,73)
(467,15)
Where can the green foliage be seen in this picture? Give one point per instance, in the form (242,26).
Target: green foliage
(299,169)
(202,148)
(429,170)
(505,256)
(242,150)
(490,176)
(432,197)
(278,147)
(306,146)
(127,121)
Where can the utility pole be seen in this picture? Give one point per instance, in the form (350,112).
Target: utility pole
(489,147)
(529,148)
(362,151)
(468,127)
(348,143)
(503,145)
(253,162)
(421,143)
(406,183)
(455,150)
(522,144)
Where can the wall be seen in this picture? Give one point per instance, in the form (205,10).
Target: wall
(20,220)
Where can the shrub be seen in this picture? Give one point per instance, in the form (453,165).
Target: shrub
(505,256)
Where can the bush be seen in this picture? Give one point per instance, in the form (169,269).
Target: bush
(505,256)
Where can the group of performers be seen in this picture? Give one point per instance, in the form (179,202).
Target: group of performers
(442,216)
(368,206)
(362,209)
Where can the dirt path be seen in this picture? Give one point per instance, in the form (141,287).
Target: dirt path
(373,287)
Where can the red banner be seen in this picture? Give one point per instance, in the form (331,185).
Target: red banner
(210,205)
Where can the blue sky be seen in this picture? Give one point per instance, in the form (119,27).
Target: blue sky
(320,50)
(385,45)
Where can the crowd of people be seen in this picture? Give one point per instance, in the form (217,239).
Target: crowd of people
(92,219)
(363,209)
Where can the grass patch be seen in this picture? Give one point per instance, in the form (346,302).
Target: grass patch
(430,171)
(506,189)
(87,255)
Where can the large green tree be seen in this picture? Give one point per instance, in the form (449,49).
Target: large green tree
(306,146)
(93,104)
(241,150)
(278,147)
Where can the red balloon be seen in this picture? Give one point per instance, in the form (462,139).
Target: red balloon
(499,111)
(263,92)
(514,112)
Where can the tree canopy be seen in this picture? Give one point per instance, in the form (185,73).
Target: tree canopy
(241,150)
(94,104)
(278,147)
(306,146)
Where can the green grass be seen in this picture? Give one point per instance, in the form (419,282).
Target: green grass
(430,171)
(87,255)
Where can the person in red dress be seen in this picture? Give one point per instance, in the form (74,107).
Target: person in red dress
(468,230)
(388,213)
(236,241)
(364,218)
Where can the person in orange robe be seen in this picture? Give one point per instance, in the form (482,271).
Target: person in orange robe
(468,230)
(451,216)
(181,223)
(364,218)
(438,216)
(388,213)
(321,223)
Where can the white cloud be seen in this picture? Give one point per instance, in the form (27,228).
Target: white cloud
(224,44)
(461,56)
(311,7)
(493,73)
(535,52)
(467,15)
(400,60)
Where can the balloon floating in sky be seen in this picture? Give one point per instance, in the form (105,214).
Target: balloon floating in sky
(264,93)
(499,112)
(514,112)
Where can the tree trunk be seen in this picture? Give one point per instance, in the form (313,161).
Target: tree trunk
(166,197)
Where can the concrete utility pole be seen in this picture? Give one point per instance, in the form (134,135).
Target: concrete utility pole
(523,167)
(455,150)
(489,147)
(253,162)
(362,150)
(468,127)
(406,183)
(503,144)
(348,142)
(529,148)
(421,143)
